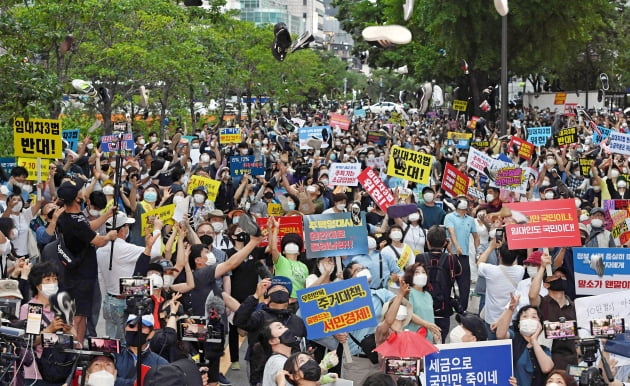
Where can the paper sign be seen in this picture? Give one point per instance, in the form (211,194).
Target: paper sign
(566,136)
(8,163)
(359,113)
(298,121)
(377,137)
(585,167)
(460,140)
(287,224)
(619,143)
(601,270)
(314,132)
(335,234)
(459,105)
(181,209)
(109,143)
(470,363)
(523,148)
(72,137)
(230,135)
(376,162)
(551,223)
(615,304)
(339,120)
(597,138)
(344,174)
(560,98)
(502,174)
(30,164)
(212,186)
(375,187)
(274,209)
(409,165)
(342,306)
(164,213)
(454,182)
(247,164)
(39,138)
(538,135)
(509,177)
(480,144)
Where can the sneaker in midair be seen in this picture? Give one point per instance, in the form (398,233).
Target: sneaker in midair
(303,41)
(386,36)
(604,78)
(84,87)
(408,9)
(464,66)
(281,41)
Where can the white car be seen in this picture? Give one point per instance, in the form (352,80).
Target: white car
(385,107)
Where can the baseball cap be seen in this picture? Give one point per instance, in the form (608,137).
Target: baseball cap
(167,265)
(69,190)
(283,281)
(474,324)
(534,258)
(147,320)
(598,210)
(121,220)
(216,213)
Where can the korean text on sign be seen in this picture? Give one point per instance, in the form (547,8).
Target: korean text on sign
(314,132)
(566,136)
(109,143)
(72,137)
(211,186)
(230,135)
(616,304)
(524,150)
(339,120)
(288,224)
(538,135)
(37,138)
(375,187)
(454,182)
(246,164)
(613,274)
(337,307)
(409,165)
(619,143)
(335,234)
(30,164)
(344,174)
(164,213)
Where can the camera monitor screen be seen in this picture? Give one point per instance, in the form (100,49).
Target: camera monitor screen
(560,330)
(105,345)
(607,327)
(57,340)
(193,329)
(135,286)
(402,367)
(9,308)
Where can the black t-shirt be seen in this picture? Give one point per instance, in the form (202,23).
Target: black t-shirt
(204,283)
(77,235)
(245,276)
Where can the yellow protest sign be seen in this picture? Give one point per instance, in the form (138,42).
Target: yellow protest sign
(274,209)
(164,213)
(409,165)
(460,105)
(457,136)
(230,135)
(212,186)
(39,138)
(30,164)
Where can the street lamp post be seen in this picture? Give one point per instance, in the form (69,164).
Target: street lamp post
(502,9)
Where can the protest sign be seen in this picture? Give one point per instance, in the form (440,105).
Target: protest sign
(566,136)
(409,165)
(109,143)
(274,209)
(287,224)
(618,225)
(376,162)
(344,174)
(230,135)
(359,113)
(551,223)
(619,143)
(454,181)
(339,120)
(503,175)
(164,213)
(585,167)
(615,304)
(509,177)
(524,149)
(538,136)
(468,364)
(597,138)
(375,187)
(335,234)
(601,270)
(342,306)
(460,140)
(377,137)
(298,121)
(320,133)
(246,164)
(480,144)
(459,105)
(212,186)
(560,98)
(72,137)
(8,163)
(37,138)
(479,160)
(30,164)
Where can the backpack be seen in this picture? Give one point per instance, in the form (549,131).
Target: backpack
(441,274)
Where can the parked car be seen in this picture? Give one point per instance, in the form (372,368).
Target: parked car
(385,107)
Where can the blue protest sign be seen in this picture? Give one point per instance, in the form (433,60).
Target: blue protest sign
(247,164)
(8,163)
(314,132)
(468,364)
(601,270)
(110,142)
(504,158)
(598,138)
(538,136)
(72,137)
(335,234)
(359,113)
(342,306)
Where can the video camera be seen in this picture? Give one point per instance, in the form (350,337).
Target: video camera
(138,293)
(198,329)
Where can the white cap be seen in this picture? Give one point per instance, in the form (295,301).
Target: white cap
(121,219)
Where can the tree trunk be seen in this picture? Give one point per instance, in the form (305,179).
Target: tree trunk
(191,105)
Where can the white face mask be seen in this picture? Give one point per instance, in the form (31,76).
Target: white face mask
(550,161)
(157,281)
(597,223)
(324,181)
(199,198)
(101,378)
(141,141)
(457,334)
(596,188)
(614,173)
(622,184)
(18,207)
(90,146)
(108,190)
(49,290)
(463,205)
(531,271)
(549,196)
(95,212)
(414,217)
(489,197)
(168,280)
(492,234)
(552,384)
(212,259)
(217,226)
(204,158)
(528,327)
(322,268)
(365,272)
(420,279)
(396,235)
(27,188)
(340,206)
(402,313)
(178,199)
(311,189)
(481,215)
(428,197)
(545,183)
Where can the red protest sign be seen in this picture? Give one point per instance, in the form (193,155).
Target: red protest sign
(454,182)
(339,120)
(375,187)
(525,149)
(550,223)
(288,224)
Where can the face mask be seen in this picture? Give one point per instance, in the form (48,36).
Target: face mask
(311,189)
(279,297)
(168,280)
(576,174)
(4,190)
(528,327)
(489,197)
(141,141)
(265,141)
(177,200)
(545,183)
(492,234)
(370,156)
(414,217)
(49,290)
(614,173)
(27,188)
(549,196)
(18,207)
(94,212)
(596,188)
(268,195)
(195,145)
(311,371)
(212,259)
(557,285)
(333,156)
(291,205)
(396,235)
(90,146)
(597,223)
(457,334)
(462,160)
(621,184)
(550,161)
(157,281)
(204,158)
(217,226)
(206,239)
(340,207)
(324,181)
(578,203)
(420,279)
(242,237)
(428,197)
(199,198)
(153,139)
(552,384)
(150,196)
(131,337)
(104,168)
(108,190)
(101,378)
(289,339)
(463,205)
(365,272)
(531,271)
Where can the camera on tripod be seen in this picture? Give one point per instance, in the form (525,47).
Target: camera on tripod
(138,293)
(198,329)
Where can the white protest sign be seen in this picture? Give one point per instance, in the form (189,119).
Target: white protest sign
(344,174)
(376,162)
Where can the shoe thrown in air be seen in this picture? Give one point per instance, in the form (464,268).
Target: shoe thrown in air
(502,7)
(604,78)
(84,87)
(248,224)
(386,35)
(408,9)
(303,41)
(281,41)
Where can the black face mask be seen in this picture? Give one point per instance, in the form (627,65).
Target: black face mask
(242,237)
(558,285)
(105,167)
(311,370)
(279,297)
(131,337)
(206,239)
(50,214)
(289,339)
(268,195)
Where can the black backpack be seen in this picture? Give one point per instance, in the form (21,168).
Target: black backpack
(441,274)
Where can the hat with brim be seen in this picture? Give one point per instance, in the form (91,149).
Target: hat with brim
(10,287)
(281,281)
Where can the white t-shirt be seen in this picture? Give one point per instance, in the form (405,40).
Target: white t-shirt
(499,279)
(523,289)
(274,364)
(22,224)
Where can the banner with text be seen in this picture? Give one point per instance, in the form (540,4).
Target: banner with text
(344,174)
(550,223)
(37,138)
(335,234)
(523,148)
(109,143)
(502,174)
(585,167)
(212,186)
(566,136)
(319,133)
(409,165)
(454,181)
(376,162)
(30,164)
(480,144)
(339,120)
(615,304)
(72,137)
(459,105)
(230,135)
(342,306)
(538,136)
(375,187)
(164,213)
(619,143)
(597,138)
(601,270)
(288,224)
(377,137)
(460,140)
(247,164)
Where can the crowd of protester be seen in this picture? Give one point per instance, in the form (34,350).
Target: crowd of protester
(211,263)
